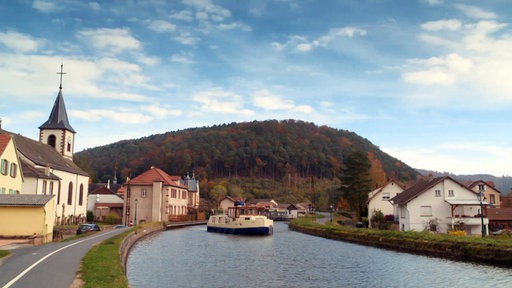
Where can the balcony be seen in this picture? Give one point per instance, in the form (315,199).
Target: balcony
(468,220)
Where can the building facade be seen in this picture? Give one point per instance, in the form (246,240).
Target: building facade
(11,177)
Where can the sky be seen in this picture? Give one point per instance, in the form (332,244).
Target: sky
(427,81)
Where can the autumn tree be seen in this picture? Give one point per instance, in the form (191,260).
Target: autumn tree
(355,181)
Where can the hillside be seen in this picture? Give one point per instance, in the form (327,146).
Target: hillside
(274,150)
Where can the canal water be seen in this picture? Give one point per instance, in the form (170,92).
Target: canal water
(192,257)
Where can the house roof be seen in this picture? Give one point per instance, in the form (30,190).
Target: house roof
(102,191)
(24,200)
(488,183)
(43,155)
(58,117)
(30,171)
(497,214)
(154,175)
(4,140)
(376,191)
(422,186)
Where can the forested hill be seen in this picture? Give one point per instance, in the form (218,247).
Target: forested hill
(261,149)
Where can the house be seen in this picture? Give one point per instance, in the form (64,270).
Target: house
(441,204)
(47,166)
(267,203)
(27,216)
(193,189)
(228,201)
(103,201)
(304,208)
(154,196)
(491,194)
(283,212)
(11,177)
(499,218)
(378,199)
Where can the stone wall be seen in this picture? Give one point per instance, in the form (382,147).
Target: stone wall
(132,238)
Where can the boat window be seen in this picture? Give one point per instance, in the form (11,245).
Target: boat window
(247,218)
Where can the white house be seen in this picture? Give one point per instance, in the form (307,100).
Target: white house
(379,198)
(47,166)
(103,201)
(441,204)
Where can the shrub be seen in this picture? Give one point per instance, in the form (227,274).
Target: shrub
(458,233)
(112,218)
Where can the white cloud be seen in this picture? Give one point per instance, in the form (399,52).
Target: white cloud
(451,24)
(125,116)
(161,111)
(106,40)
(475,12)
(434,2)
(221,101)
(94,6)
(183,15)
(19,42)
(266,100)
(183,58)
(436,70)
(207,10)
(161,26)
(235,25)
(45,6)
(186,38)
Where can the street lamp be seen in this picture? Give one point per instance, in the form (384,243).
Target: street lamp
(135,214)
(330,207)
(481,198)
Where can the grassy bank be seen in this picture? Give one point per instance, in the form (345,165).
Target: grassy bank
(489,250)
(4,253)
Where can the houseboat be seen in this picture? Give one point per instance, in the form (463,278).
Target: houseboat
(247,220)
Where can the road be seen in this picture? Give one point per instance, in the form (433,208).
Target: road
(52,265)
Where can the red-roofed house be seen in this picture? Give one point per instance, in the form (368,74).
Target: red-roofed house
(491,194)
(103,201)
(154,196)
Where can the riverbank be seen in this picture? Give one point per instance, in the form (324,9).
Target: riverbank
(489,251)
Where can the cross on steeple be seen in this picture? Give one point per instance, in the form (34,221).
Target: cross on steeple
(61,73)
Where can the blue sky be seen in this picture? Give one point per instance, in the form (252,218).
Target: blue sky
(428,81)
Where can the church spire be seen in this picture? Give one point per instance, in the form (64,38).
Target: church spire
(58,117)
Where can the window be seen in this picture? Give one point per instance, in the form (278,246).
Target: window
(144,193)
(50,191)
(481,187)
(403,212)
(3,166)
(2,190)
(14,170)
(51,140)
(44,187)
(183,194)
(70,193)
(426,211)
(173,193)
(450,193)
(385,196)
(81,195)
(492,199)
(438,193)
(69,144)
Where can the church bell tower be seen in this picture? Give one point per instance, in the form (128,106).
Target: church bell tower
(56,131)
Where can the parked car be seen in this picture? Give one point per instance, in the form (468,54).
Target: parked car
(84,228)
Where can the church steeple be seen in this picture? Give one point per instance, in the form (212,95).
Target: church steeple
(57,131)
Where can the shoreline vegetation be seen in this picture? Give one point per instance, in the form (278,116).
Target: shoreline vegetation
(489,250)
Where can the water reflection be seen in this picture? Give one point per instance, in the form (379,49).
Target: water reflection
(192,257)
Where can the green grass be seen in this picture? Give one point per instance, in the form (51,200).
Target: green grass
(4,253)
(101,266)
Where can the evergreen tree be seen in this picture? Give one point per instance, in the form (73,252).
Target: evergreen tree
(355,181)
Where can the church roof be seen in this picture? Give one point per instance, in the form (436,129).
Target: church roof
(58,117)
(43,154)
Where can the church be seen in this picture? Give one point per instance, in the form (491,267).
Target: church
(47,165)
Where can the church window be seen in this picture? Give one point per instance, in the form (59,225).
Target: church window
(69,144)
(51,140)
(44,187)
(81,195)
(50,190)
(70,193)
(144,193)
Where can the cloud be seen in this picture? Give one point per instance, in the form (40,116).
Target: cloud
(433,2)
(94,6)
(217,100)
(114,40)
(235,25)
(45,6)
(302,44)
(19,42)
(436,70)
(208,10)
(264,99)
(451,24)
(125,116)
(186,38)
(161,111)
(183,58)
(161,26)
(475,12)
(183,15)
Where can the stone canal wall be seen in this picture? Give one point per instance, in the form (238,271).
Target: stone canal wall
(132,238)
(459,251)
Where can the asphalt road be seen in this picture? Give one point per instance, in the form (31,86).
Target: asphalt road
(51,265)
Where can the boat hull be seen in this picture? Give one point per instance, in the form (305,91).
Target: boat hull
(241,231)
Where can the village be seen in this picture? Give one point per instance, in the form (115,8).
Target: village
(41,187)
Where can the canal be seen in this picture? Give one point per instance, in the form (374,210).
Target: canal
(192,257)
